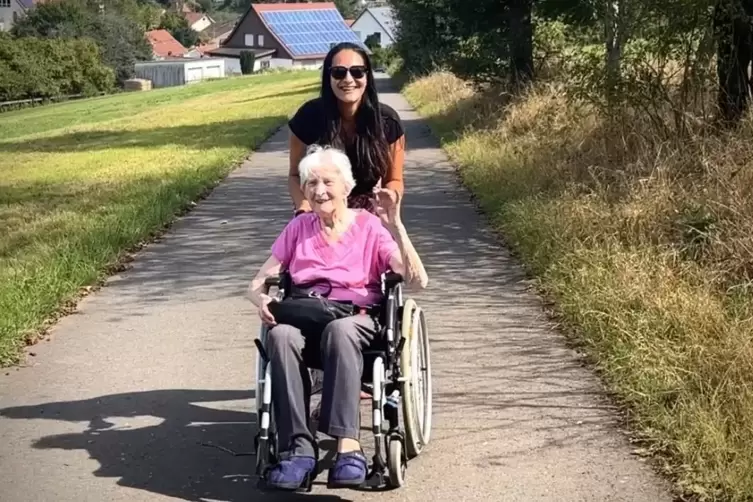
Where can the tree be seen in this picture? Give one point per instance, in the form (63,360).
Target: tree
(520,34)
(55,19)
(349,9)
(205,5)
(248,59)
(491,43)
(179,28)
(121,40)
(372,41)
(732,30)
(48,68)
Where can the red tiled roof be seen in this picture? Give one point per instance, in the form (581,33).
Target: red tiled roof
(164,45)
(261,7)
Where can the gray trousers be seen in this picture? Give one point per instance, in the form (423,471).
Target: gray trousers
(341,346)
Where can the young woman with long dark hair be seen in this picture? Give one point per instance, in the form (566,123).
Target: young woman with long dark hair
(348,115)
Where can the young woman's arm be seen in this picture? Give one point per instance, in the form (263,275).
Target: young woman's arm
(297,151)
(393,179)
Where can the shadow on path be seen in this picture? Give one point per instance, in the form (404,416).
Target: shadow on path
(160,441)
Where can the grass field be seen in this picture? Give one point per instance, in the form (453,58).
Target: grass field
(83,182)
(645,248)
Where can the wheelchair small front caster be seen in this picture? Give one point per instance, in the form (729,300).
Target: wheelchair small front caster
(396,462)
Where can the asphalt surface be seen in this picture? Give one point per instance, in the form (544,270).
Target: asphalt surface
(123,401)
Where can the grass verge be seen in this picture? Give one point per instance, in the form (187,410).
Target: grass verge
(646,250)
(82,183)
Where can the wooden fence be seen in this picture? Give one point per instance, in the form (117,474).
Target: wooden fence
(26,103)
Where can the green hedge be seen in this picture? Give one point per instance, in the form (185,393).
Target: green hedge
(49,68)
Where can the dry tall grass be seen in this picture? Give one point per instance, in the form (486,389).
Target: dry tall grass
(646,248)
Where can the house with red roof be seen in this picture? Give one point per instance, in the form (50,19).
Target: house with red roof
(285,35)
(198,21)
(164,45)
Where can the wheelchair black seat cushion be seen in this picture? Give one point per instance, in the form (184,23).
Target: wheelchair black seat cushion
(309,314)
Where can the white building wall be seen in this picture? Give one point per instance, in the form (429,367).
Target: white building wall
(204,69)
(232,66)
(366,25)
(281,63)
(313,64)
(7,14)
(175,73)
(202,24)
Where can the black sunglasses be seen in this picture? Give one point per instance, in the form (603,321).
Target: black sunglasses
(339,72)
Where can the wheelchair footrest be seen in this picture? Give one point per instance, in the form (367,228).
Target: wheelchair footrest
(376,479)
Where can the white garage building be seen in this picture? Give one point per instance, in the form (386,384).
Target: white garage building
(180,71)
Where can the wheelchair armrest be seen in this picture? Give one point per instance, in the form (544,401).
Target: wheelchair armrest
(272,281)
(280,281)
(392,279)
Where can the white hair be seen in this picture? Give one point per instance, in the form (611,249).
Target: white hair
(326,156)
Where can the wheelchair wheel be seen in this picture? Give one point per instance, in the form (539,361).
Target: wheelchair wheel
(266,449)
(396,464)
(415,367)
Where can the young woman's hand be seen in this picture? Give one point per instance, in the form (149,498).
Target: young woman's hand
(264,313)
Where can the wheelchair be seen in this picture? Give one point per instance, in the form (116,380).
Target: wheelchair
(393,369)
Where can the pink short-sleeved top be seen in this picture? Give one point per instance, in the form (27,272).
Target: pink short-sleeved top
(352,265)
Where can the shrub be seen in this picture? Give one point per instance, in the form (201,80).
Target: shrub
(121,40)
(38,68)
(383,57)
(248,59)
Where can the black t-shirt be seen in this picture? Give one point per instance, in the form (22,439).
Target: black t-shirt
(309,126)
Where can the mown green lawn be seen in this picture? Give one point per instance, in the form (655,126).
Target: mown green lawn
(83,182)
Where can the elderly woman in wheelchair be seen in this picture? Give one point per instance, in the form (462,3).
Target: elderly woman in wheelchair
(341,265)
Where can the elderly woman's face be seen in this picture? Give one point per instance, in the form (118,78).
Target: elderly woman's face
(325,189)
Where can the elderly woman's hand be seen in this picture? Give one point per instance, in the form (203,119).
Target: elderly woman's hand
(388,206)
(264,313)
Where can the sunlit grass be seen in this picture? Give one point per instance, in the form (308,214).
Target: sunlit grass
(82,182)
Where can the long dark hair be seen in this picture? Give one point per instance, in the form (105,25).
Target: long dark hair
(369,153)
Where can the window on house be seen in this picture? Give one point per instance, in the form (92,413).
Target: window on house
(260,40)
(15,17)
(4,3)
(249,39)
(264,64)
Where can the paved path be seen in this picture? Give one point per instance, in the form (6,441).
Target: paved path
(115,407)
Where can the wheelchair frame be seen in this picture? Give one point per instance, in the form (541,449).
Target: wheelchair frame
(393,379)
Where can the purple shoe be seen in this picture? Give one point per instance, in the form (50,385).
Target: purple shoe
(349,470)
(292,473)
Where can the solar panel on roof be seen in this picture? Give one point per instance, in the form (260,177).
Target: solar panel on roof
(309,32)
